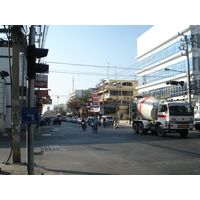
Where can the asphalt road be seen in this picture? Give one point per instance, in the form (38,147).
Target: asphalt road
(70,150)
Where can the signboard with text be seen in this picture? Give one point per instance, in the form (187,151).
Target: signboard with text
(41,81)
(29,115)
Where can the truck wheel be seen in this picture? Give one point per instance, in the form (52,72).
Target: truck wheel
(184,133)
(135,127)
(141,129)
(161,131)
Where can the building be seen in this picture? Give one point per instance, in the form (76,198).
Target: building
(120,90)
(162,57)
(5,87)
(78,93)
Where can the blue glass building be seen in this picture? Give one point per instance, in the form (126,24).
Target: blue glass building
(161,58)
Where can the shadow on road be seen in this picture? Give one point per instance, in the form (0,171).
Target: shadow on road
(76,172)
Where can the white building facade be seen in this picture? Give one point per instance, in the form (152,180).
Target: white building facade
(5,87)
(161,58)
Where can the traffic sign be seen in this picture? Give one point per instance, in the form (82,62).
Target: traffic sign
(29,115)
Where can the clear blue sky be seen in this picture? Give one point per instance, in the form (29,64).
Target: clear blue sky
(101,45)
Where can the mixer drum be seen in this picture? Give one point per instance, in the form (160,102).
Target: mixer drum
(148,108)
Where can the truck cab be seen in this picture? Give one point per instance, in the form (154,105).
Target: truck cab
(176,117)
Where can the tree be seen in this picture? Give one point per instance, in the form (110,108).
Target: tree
(77,102)
(110,106)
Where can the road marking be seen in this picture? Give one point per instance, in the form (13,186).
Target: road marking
(52,148)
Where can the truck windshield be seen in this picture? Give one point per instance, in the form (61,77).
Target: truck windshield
(180,110)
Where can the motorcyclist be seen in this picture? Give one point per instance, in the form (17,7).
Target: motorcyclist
(83,123)
(104,122)
(116,123)
(93,123)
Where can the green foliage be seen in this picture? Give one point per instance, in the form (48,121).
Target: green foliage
(110,106)
(85,98)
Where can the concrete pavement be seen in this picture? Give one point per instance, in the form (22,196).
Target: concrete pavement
(21,168)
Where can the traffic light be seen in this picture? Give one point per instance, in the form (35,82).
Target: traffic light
(175,83)
(181,83)
(32,66)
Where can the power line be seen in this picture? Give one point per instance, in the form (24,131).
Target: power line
(98,66)
(81,73)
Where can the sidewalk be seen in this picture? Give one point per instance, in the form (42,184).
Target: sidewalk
(21,169)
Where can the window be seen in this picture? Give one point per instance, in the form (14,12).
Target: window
(127,84)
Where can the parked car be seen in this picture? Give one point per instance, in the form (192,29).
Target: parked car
(57,120)
(79,120)
(69,119)
(74,119)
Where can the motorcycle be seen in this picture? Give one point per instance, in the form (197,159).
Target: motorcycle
(94,127)
(116,125)
(83,125)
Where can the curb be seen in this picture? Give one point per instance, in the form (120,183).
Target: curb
(10,134)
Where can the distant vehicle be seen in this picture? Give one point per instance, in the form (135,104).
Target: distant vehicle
(52,118)
(63,118)
(79,121)
(88,121)
(57,120)
(109,120)
(48,120)
(74,119)
(42,121)
(69,119)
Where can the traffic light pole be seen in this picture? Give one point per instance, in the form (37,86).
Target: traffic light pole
(188,64)
(30,131)
(188,70)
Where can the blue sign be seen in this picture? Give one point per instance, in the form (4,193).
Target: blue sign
(29,115)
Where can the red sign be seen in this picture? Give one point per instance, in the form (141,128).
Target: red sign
(41,84)
(95,95)
(75,103)
(95,99)
(41,93)
(41,81)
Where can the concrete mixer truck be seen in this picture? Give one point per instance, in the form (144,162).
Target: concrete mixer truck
(161,116)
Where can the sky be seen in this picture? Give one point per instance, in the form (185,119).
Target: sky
(81,55)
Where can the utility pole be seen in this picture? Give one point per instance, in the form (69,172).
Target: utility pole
(31,103)
(15,96)
(185,47)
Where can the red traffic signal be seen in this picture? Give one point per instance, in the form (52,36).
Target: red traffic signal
(175,83)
